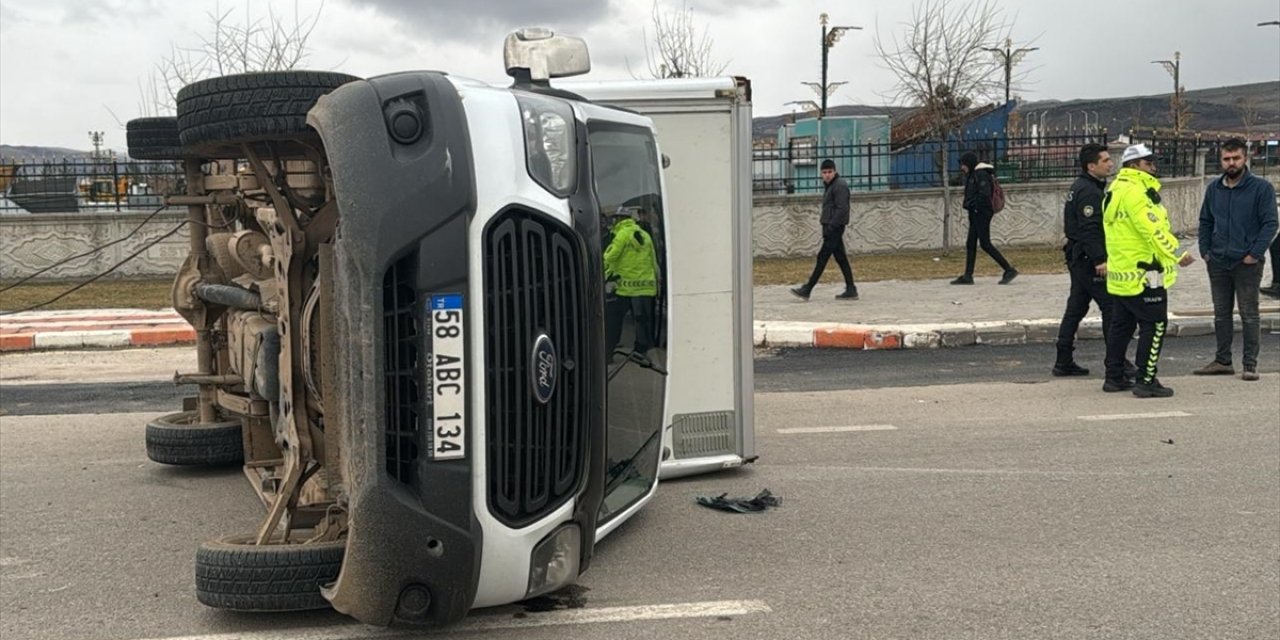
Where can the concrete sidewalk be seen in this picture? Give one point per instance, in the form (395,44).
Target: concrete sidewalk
(910,314)
(934,313)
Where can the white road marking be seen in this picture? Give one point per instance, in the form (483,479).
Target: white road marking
(1135,416)
(857,427)
(506,620)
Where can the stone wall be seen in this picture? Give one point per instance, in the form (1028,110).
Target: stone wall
(29,243)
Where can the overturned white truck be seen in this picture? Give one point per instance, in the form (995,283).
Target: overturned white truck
(454,332)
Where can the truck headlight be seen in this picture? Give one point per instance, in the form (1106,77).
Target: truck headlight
(555,560)
(550,154)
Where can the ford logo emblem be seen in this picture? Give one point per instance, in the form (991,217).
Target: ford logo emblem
(544,373)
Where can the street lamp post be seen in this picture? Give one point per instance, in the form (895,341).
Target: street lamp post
(1009,56)
(829,38)
(1173,67)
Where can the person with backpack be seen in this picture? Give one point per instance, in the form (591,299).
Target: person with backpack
(981,195)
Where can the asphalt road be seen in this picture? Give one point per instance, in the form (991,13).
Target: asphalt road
(139,380)
(923,497)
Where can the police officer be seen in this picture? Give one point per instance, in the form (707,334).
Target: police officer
(631,267)
(1086,256)
(1142,263)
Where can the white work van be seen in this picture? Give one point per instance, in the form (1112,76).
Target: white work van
(454,332)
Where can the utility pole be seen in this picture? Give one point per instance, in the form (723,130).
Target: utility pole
(1009,57)
(1175,103)
(96,137)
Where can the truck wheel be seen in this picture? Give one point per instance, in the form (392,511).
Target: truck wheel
(234,573)
(218,114)
(178,439)
(153,139)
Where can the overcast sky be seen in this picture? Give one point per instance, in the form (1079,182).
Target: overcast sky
(67,65)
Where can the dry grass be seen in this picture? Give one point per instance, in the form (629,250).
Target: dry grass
(906,265)
(103,294)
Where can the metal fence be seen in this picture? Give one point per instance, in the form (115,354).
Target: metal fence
(871,166)
(85,185)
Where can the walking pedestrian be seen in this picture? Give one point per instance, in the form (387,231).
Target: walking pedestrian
(1237,224)
(834,218)
(978,187)
(1142,263)
(1086,256)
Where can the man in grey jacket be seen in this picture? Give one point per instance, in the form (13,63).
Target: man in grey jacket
(1237,224)
(835,217)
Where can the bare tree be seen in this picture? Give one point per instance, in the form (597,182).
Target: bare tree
(943,68)
(270,43)
(1247,106)
(1136,114)
(677,48)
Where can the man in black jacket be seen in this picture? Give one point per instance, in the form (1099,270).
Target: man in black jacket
(978,187)
(1238,222)
(835,217)
(1086,255)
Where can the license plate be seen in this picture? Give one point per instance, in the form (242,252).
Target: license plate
(448,381)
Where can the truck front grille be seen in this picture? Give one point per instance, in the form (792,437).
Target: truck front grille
(533,285)
(400,369)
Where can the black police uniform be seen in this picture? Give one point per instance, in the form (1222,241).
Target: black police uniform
(1085,250)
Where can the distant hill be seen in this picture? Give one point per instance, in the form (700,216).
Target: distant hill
(21,152)
(1220,109)
(51,153)
(767,126)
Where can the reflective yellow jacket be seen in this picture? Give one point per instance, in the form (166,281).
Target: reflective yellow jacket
(1137,231)
(631,261)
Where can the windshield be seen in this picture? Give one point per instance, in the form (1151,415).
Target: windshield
(624,163)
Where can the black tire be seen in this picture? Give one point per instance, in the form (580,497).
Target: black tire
(218,114)
(233,573)
(154,139)
(178,439)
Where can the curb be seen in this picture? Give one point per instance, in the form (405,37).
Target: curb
(825,335)
(98,329)
(96,339)
(113,329)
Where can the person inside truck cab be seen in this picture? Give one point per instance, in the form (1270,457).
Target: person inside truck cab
(631,271)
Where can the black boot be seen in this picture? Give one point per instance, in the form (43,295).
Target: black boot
(964,279)
(1152,389)
(1069,368)
(1113,385)
(801,292)
(850,293)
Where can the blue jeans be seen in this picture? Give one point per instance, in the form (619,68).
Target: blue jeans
(1231,286)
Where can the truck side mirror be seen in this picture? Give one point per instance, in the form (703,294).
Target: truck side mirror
(542,55)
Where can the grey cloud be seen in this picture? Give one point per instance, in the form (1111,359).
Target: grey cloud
(724,7)
(462,20)
(128,12)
